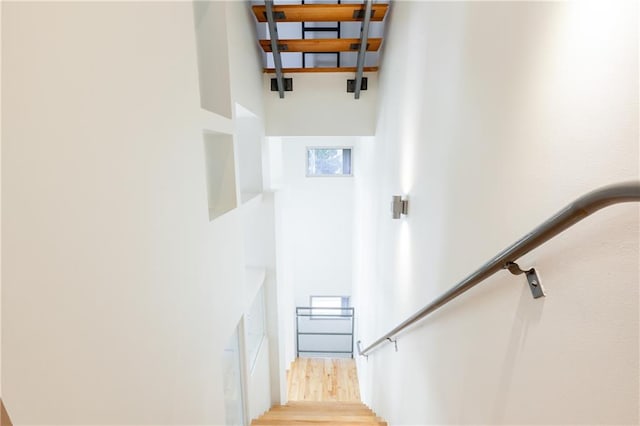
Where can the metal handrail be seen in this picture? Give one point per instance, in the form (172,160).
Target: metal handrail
(565,218)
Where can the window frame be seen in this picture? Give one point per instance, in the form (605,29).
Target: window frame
(345,302)
(306,161)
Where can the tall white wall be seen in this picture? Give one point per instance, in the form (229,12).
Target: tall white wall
(319,222)
(0,206)
(212,42)
(492,117)
(246,86)
(245,57)
(314,228)
(285,291)
(118,293)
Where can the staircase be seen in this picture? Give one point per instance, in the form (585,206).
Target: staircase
(320,413)
(317,21)
(321,13)
(322,391)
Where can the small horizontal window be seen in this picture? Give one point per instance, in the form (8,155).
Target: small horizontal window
(329,306)
(329,162)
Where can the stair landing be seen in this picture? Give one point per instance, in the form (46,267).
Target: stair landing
(323,379)
(322,391)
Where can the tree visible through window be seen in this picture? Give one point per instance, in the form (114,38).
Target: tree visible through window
(328,161)
(329,305)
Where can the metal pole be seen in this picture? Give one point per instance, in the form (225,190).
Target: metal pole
(273,35)
(364,37)
(353,319)
(297,336)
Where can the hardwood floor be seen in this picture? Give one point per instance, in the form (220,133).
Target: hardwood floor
(323,379)
(322,392)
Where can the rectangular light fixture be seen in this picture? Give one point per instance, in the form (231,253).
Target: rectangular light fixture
(399,206)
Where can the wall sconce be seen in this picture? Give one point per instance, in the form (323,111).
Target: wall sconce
(399,206)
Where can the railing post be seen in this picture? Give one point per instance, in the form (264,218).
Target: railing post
(353,320)
(297,335)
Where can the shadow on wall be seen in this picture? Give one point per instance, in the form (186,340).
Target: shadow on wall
(526,315)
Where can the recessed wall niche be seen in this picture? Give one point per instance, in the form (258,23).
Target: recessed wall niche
(249,136)
(220,173)
(213,57)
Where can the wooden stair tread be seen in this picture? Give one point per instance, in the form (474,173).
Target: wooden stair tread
(321,406)
(321,403)
(316,416)
(320,45)
(321,12)
(322,391)
(360,410)
(321,410)
(314,422)
(320,69)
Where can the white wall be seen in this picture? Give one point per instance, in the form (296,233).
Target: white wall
(213,56)
(285,290)
(245,57)
(314,220)
(492,117)
(118,293)
(319,221)
(258,216)
(249,140)
(0,206)
(260,401)
(319,105)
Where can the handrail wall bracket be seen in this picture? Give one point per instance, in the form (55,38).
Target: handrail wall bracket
(573,213)
(395,342)
(535,284)
(359,343)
